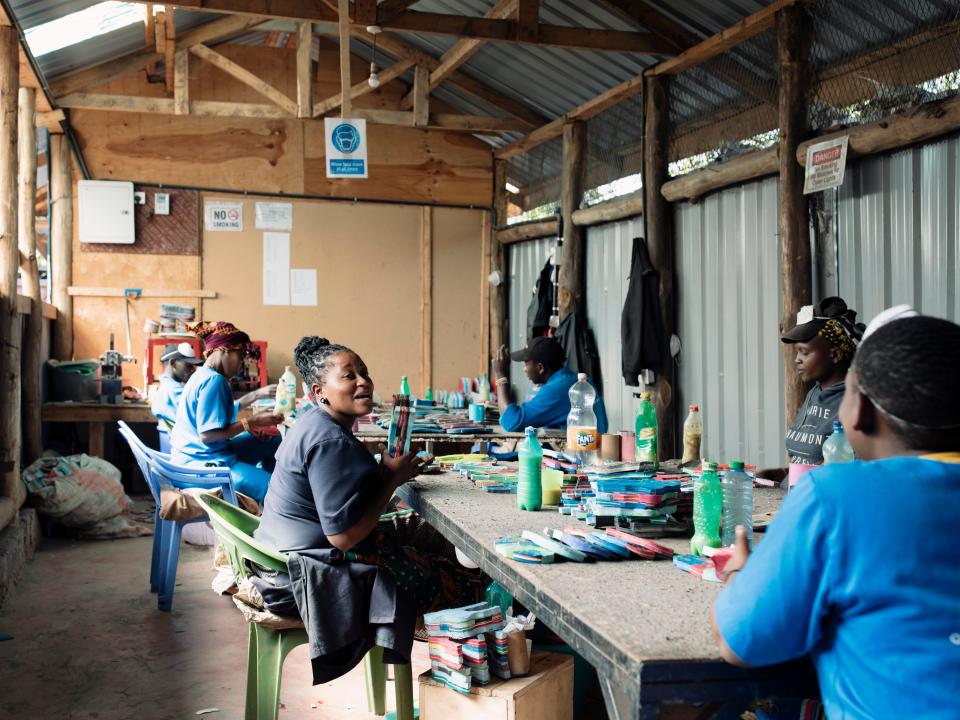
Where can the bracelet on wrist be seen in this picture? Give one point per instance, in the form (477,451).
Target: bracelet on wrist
(245,424)
(501,381)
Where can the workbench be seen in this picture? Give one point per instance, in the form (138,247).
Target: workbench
(372,435)
(97,415)
(643,625)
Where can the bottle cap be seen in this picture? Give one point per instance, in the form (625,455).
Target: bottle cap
(581,377)
(837,426)
(693,408)
(736,464)
(645,395)
(709,466)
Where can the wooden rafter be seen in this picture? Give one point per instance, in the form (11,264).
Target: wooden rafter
(421,96)
(181,82)
(304,70)
(166,106)
(362,88)
(427,23)
(461,51)
(170,47)
(389,9)
(528,21)
(240,73)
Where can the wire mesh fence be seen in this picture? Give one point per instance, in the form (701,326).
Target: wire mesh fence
(536,174)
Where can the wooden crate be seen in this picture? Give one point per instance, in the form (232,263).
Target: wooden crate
(545,694)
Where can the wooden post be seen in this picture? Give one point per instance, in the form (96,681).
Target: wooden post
(61,245)
(793,50)
(181,82)
(426,298)
(486,267)
(660,244)
(499,324)
(26,229)
(346,105)
(169,48)
(304,70)
(571,195)
(421,96)
(12,492)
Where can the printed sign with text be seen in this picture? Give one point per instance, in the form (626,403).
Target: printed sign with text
(346,142)
(223,216)
(826,163)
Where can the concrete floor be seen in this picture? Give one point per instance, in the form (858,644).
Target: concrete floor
(89,644)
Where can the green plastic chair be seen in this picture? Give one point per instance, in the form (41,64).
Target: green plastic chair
(268,648)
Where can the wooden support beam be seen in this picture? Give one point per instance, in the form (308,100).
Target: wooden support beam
(160,33)
(365,12)
(749,27)
(165,106)
(389,9)
(81,291)
(486,267)
(362,88)
(61,246)
(661,247)
(219,29)
(622,207)
(572,269)
(499,331)
(27,240)
(181,82)
(528,21)
(531,230)
(305,70)
(346,104)
(749,166)
(426,298)
(10,484)
(585,111)
(479,124)
(794,39)
(170,34)
(238,72)
(51,120)
(421,96)
(105,72)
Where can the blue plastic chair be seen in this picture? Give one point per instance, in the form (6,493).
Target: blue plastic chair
(157,469)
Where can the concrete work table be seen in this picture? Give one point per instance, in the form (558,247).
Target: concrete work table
(98,415)
(644,625)
(371,435)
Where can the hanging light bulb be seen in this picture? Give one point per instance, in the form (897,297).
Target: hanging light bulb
(374,79)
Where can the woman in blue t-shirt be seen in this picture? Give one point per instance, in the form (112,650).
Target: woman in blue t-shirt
(207,431)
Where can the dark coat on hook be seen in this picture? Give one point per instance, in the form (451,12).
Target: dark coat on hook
(641,331)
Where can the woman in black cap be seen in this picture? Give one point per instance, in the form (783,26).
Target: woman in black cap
(826,338)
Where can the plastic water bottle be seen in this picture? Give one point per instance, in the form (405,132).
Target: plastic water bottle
(583,437)
(286,396)
(529,485)
(692,435)
(737,503)
(836,449)
(404,386)
(647,432)
(707,503)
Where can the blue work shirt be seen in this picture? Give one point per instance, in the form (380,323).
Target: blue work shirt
(206,404)
(549,405)
(859,570)
(166,400)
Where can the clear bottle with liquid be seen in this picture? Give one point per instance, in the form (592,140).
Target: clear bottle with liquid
(836,448)
(583,437)
(529,478)
(692,436)
(286,397)
(647,432)
(707,505)
(737,502)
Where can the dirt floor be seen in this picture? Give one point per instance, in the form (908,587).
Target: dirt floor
(89,644)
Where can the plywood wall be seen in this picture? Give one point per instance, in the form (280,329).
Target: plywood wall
(368,264)
(278,156)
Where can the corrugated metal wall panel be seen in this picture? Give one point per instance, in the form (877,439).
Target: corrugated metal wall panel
(609,249)
(526,261)
(728,295)
(898,231)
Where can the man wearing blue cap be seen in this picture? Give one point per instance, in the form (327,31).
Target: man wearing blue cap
(179,362)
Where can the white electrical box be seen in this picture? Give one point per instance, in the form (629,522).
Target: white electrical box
(161,203)
(106,211)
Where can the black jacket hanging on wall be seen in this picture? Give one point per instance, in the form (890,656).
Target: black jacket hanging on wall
(580,347)
(640,328)
(541,305)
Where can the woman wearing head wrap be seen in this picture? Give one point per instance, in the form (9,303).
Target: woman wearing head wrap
(826,338)
(206,432)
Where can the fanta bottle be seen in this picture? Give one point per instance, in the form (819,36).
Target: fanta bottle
(583,438)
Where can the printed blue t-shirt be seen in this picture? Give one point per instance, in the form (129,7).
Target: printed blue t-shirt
(548,406)
(859,570)
(206,404)
(166,401)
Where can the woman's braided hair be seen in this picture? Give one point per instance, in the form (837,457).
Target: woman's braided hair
(312,356)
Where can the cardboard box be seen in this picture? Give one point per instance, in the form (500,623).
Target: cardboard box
(545,694)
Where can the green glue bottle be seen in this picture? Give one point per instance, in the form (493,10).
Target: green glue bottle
(529,486)
(646,433)
(404,386)
(707,508)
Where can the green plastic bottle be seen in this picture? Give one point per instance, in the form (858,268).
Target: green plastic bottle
(404,386)
(497,595)
(646,432)
(529,486)
(428,395)
(707,508)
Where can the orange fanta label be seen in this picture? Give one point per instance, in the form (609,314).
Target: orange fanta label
(582,439)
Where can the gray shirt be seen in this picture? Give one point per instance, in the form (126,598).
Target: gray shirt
(814,424)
